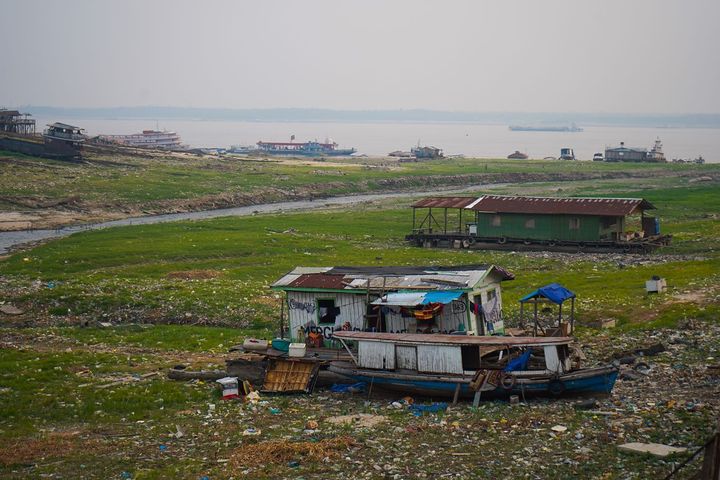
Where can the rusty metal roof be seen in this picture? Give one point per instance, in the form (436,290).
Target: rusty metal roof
(441,339)
(319,280)
(359,279)
(444,202)
(564,206)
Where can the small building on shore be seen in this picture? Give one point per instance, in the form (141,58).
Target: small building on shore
(323,300)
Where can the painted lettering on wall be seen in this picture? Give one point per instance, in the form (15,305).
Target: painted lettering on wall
(325,331)
(458,307)
(309,307)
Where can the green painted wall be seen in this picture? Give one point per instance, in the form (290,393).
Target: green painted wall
(547,227)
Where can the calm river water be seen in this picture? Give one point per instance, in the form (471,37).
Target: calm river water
(472,140)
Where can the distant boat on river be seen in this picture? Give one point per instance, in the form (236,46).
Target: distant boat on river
(529,128)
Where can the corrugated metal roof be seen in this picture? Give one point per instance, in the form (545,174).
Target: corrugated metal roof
(389,278)
(441,339)
(444,202)
(319,280)
(565,206)
(627,149)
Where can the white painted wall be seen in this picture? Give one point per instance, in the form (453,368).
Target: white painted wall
(439,359)
(303,309)
(377,355)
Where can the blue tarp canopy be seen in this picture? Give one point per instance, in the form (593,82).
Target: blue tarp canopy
(442,296)
(554,292)
(411,299)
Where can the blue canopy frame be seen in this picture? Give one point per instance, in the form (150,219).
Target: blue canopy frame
(554,293)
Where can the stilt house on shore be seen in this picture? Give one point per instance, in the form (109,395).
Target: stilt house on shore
(322,300)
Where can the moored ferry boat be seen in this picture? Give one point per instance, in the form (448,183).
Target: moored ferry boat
(309,149)
(160,139)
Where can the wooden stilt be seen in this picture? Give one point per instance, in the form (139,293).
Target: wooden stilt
(457,393)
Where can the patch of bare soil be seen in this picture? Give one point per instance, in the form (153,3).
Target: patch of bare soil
(32,450)
(282,451)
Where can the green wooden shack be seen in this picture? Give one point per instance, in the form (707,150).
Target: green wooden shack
(545,221)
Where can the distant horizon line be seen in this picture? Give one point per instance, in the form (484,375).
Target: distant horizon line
(306,114)
(358,110)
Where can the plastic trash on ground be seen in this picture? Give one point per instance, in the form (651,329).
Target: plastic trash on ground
(347,388)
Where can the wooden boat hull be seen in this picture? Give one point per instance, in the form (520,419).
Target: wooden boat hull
(598,380)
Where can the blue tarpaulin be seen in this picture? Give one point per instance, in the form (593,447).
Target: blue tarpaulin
(441,296)
(554,292)
(519,363)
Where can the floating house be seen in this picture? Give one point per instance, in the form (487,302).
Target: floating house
(320,301)
(545,223)
(58,141)
(635,154)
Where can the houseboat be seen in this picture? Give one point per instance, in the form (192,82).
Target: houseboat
(306,149)
(462,365)
(504,222)
(322,301)
(58,141)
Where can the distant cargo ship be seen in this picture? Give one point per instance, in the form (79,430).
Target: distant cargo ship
(524,128)
(163,140)
(308,149)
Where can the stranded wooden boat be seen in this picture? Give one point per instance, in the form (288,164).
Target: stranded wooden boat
(461,366)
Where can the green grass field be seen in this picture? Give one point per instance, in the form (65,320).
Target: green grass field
(163,285)
(107,181)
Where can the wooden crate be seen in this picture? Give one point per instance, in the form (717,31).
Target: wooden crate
(290,375)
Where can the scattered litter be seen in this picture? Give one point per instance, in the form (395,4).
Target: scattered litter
(347,388)
(251,432)
(559,428)
(274,411)
(311,425)
(588,404)
(230,386)
(657,449)
(432,408)
(9,309)
(253,397)
(363,420)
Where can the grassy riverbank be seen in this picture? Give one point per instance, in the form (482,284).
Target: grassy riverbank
(39,193)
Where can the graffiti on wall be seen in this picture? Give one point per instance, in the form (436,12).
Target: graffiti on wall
(309,307)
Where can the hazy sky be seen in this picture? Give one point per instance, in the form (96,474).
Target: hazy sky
(643,56)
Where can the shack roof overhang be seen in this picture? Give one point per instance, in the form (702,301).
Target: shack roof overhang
(594,206)
(360,280)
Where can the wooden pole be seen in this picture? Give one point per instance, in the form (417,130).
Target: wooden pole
(536,319)
(282,316)
(445,228)
(560,316)
(457,393)
(460,229)
(572,315)
(414,210)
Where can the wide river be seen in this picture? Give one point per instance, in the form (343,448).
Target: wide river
(374,139)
